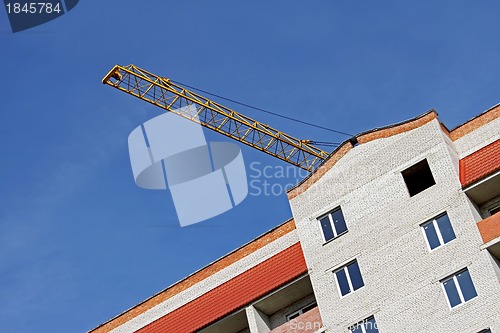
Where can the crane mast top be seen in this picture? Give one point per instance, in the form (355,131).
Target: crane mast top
(172,97)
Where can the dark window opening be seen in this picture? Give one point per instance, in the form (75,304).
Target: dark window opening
(309,307)
(495,210)
(418,177)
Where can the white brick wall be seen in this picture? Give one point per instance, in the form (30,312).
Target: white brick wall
(401,276)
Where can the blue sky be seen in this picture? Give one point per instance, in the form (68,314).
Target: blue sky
(80,242)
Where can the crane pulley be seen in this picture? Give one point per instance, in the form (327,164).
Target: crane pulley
(172,97)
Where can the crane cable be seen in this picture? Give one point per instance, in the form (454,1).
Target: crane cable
(322,143)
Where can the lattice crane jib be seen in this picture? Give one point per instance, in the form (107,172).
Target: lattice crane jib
(172,97)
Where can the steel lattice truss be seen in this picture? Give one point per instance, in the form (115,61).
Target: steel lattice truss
(174,98)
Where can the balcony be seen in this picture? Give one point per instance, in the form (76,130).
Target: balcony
(290,309)
(480,173)
(273,313)
(484,190)
(490,232)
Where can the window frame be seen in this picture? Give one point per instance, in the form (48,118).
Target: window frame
(458,287)
(332,225)
(301,310)
(433,221)
(348,277)
(494,210)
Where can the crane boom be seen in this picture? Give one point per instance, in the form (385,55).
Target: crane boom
(172,97)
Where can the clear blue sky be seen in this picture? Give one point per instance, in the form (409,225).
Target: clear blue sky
(80,243)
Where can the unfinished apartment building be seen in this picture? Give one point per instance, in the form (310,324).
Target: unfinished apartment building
(397,231)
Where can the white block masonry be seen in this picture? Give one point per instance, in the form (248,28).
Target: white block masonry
(401,276)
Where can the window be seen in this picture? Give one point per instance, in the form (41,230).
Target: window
(333,224)
(495,210)
(438,231)
(459,288)
(349,278)
(301,311)
(368,325)
(418,177)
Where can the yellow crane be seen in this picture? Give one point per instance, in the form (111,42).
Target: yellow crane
(172,97)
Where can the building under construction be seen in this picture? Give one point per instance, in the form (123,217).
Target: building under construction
(397,230)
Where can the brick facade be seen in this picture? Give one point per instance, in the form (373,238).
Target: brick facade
(402,276)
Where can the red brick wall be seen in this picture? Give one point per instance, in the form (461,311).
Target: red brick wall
(475,123)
